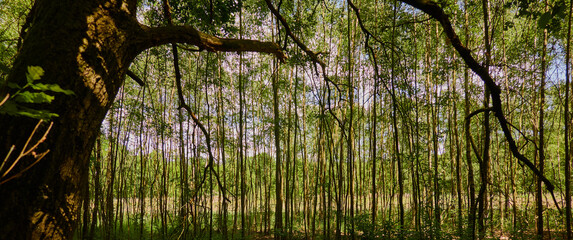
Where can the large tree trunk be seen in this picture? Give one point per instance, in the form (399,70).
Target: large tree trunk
(84,46)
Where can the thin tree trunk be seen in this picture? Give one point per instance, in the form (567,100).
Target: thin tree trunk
(242,167)
(110,180)
(294,155)
(306,172)
(340,187)
(221,147)
(396,140)
(97,187)
(485,164)
(350,136)
(416,145)
(467,130)
(568,128)
(278,177)
(541,140)
(458,154)
(86,207)
(142,169)
(288,158)
(373,149)
(435,109)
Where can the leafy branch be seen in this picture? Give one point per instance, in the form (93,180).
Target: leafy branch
(33,92)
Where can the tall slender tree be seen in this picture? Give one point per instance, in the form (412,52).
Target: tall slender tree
(567,124)
(541,137)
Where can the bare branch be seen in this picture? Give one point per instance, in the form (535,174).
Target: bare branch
(25,152)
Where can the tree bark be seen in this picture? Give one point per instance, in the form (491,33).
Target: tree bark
(87,47)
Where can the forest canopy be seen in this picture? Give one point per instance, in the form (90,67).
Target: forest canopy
(255,119)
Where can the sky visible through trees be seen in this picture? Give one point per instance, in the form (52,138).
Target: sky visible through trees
(373,127)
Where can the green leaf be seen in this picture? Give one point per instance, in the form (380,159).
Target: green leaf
(13,85)
(34,73)
(40,87)
(51,87)
(30,97)
(58,89)
(37,114)
(9,108)
(13,109)
(544,20)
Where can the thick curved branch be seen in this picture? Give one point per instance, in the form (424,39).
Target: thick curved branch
(436,12)
(155,36)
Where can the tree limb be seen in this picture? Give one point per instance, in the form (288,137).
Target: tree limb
(135,78)
(155,36)
(431,8)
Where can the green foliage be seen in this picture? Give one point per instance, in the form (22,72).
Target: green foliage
(12,17)
(208,16)
(551,19)
(32,93)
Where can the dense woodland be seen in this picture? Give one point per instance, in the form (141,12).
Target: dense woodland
(367,124)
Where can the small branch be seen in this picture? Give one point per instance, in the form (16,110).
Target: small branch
(468,120)
(527,139)
(135,78)
(6,160)
(38,158)
(25,152)
(5,99)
